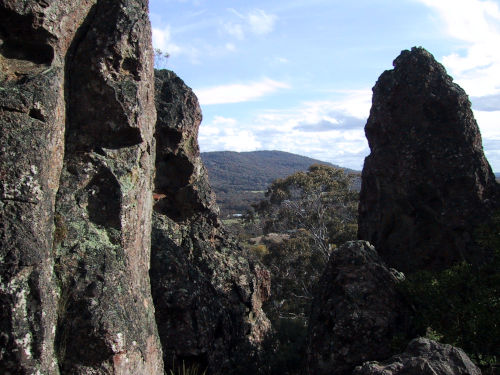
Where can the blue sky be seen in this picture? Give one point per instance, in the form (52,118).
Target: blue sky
(296,75)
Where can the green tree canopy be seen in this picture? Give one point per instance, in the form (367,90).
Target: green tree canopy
(318,210)
(320,201)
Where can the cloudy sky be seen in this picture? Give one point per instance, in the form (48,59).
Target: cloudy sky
(296,75)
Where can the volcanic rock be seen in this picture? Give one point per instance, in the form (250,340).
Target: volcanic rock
(76,167)
(357,313)
(423,357)
(207,296)
(426,184)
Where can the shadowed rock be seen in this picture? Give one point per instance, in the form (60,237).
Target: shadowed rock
(426,184)
(423,357)
(357,314)
(207,296)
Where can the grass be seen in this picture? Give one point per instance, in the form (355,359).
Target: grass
(183,370)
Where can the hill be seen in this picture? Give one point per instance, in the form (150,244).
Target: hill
(241,178)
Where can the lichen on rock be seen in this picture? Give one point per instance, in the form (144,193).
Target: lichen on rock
(106,321)
(77,117)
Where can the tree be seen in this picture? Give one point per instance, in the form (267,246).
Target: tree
(160,58)
(318,210)
(320,201)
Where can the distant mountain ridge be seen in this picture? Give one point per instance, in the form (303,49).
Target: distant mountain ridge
(241,178)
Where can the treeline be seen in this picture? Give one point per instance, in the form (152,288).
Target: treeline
(240,179)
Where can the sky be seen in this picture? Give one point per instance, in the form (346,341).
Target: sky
(296,75)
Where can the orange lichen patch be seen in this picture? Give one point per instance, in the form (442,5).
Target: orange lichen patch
(158,196)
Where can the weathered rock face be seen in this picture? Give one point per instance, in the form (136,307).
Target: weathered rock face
(357,313)
(77,114)
(423,357)
(207,296)
(426,183)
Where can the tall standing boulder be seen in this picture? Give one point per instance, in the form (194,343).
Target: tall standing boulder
(426,184)
(76,166)
(208,297)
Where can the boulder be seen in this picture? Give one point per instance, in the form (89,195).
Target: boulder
(423,357)
(357,313)
(208,296)
(426,184)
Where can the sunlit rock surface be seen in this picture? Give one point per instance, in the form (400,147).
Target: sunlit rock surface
(77,162)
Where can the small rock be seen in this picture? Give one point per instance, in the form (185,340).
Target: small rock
(423,357)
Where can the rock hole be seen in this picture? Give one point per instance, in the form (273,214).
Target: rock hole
(173,172)
(124,137)
(131,65)
(21,41)
(104,200)
(36,114)
(173,175)
(167,139)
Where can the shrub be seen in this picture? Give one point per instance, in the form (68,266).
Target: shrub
(461,304)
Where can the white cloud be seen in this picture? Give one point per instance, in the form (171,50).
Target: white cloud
(489,123)
(234,29)
(226,134)
(477,24)
(230,47)
(355,103)
(260,22)
(162,39)
(288,130)
(237,93)
(257,22)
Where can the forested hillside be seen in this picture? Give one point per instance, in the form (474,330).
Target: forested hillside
(241,178)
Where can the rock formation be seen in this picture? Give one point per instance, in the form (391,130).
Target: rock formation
(77,114)
(357,314)
(426,184)
(423,357)
(208,297)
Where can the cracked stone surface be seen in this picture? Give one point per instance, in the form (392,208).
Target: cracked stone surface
(76,166)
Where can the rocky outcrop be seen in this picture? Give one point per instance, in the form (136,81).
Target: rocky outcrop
(208,297)
(423,357)
(357,313)
(77,113)
(426,184)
